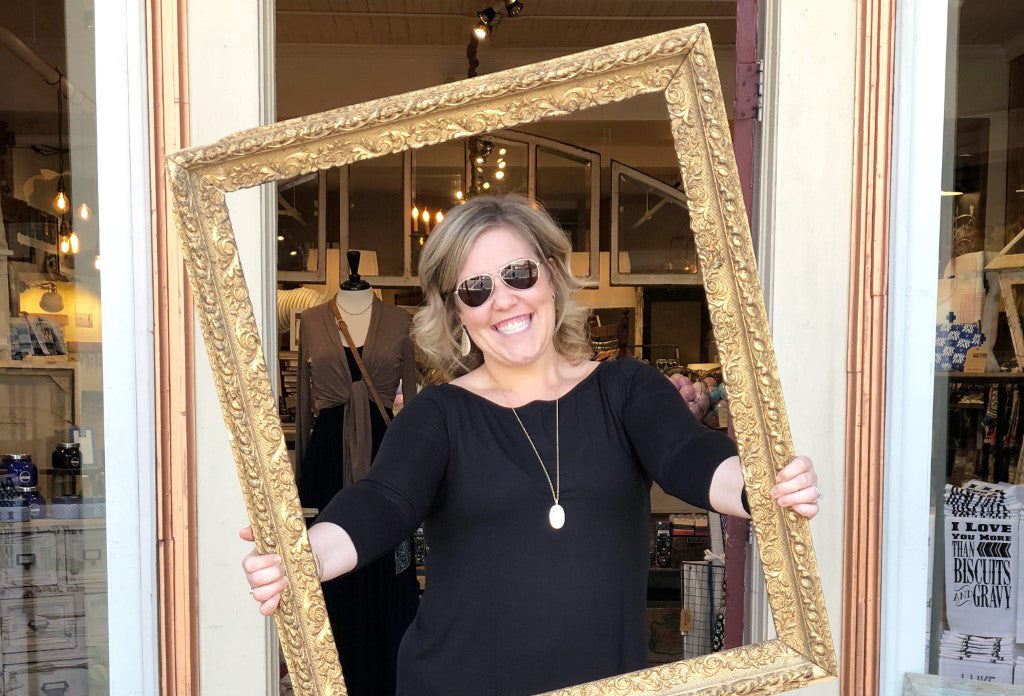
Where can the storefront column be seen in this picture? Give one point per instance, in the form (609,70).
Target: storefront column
(229,70)
(173,339)
(804,208)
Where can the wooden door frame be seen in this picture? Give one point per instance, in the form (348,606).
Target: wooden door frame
(177,564)
(866,354)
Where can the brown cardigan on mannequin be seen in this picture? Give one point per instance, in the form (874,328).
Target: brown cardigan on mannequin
(325,381)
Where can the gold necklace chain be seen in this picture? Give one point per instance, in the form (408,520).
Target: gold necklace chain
(556,488)
(361,311)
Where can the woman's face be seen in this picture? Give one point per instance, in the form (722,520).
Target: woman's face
(513,327)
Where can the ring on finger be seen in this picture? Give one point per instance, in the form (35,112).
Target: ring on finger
(820,496)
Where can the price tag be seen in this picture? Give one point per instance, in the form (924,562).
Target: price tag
(976,359)
(685,621)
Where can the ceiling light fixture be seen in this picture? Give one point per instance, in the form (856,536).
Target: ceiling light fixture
(84,213)
(513,8)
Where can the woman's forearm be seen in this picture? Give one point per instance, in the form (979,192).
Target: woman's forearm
(727,488)
(333,550)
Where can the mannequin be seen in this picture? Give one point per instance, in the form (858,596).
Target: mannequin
(355,298)
(338,431)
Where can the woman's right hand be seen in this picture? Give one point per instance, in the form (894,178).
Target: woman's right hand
(265,576)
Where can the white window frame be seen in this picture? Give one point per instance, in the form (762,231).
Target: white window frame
(122,137)
(917,155)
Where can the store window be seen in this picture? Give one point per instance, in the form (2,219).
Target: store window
(976,623)
(53,583)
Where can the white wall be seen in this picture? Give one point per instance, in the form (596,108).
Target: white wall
(805,212)
(226,93)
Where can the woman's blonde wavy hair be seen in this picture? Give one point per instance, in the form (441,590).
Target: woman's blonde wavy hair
(436,326)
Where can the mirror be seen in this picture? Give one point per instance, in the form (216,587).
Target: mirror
(680,66)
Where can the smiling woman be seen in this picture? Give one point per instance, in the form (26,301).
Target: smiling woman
(467,244)
(478,461)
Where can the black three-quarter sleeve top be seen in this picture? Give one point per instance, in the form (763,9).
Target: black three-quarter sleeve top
(513,606)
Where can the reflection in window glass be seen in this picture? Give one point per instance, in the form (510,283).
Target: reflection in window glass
(332,209)
(497,166)
(563,187)
(438,183)
(375,218)
(978,430)
(298,223)
(654,230)
(53,583)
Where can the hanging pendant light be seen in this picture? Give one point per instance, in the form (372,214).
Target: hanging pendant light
(61,202)
(51,301)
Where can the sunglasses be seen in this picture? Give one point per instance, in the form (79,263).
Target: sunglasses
(520,274)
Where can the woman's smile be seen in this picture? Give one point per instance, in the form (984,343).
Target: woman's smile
(515,325)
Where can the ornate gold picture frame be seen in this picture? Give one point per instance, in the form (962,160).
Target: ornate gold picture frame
(681,65)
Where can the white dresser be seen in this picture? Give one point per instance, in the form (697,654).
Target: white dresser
(53,608)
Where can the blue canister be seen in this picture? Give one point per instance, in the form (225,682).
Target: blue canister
(67,456)
(36,503)
(13,507)
(21,472)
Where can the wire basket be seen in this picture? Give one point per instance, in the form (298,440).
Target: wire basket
(703,595)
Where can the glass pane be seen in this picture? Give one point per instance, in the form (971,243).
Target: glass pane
(654,230)
(438,183)
(332,208)
(977,429)
(376,223)
(298,219)
(53,617)
(563,186)
(498,166)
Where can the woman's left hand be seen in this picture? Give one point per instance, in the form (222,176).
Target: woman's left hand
(797,487)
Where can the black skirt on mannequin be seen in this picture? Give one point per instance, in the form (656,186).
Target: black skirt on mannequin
(370,608)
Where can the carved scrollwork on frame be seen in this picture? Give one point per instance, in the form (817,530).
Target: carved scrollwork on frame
(679,63)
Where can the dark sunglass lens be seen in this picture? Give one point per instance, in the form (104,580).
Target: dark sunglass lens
(520,275)
(475,291)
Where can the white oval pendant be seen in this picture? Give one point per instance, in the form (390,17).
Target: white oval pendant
(556,516)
